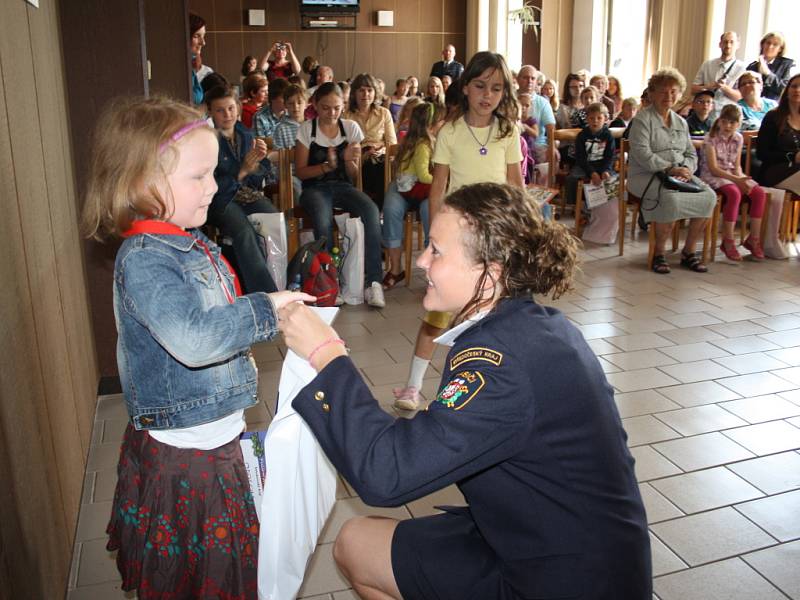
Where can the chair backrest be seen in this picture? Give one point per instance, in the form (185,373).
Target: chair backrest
(285,187)
(624,147)
(389,166)
(553,136)
(750,141)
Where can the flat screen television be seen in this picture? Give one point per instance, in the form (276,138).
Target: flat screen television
(331,6)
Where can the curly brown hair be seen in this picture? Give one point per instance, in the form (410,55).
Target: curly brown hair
(506,228)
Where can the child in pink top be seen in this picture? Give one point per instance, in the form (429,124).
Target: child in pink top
(722,170)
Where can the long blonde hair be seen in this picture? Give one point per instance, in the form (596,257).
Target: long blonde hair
(131,154)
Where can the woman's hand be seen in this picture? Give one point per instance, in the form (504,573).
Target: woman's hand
(304,332)
(596,179)
(282,299)
(352,152)
(252,159)
(742,184)
(763,66)
(681,173)
(333,159)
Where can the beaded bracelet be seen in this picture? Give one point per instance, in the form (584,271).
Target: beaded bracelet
(327,342)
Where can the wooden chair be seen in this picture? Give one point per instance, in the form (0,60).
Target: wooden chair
(629,201)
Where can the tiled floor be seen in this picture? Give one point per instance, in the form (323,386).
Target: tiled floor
(707,373)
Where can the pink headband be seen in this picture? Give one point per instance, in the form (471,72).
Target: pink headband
(182,132)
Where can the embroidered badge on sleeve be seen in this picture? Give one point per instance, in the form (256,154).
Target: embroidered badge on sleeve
(463,387)
(477,353)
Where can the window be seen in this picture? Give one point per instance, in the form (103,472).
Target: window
(627,30)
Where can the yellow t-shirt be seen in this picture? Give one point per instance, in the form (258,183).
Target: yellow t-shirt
(459,149)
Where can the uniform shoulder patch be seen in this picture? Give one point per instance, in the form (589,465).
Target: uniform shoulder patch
(462,388)
(476,353)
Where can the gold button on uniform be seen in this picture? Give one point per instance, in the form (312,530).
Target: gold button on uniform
(320,395)
(326,407)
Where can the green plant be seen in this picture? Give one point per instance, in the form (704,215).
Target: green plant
(527,17)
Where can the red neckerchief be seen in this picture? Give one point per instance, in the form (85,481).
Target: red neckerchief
(142,226)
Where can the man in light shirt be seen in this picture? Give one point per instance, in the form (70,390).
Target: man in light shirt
(719,75)
(540,109)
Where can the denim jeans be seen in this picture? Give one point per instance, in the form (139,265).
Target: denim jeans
(394,211)
(320,200)
(250,260)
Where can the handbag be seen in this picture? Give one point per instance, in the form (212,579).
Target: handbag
(671,183)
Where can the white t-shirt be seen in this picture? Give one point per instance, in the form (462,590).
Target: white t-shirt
(203,437)
(714,70)
(351,129)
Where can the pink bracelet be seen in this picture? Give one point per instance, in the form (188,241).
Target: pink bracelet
(327,342)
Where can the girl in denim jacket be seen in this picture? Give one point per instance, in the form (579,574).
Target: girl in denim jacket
(183,518)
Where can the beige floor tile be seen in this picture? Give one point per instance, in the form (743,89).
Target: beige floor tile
(646,429)
(105,482)
(778,515)
(113,429)
(756,362)
(594,316)
(738,329)
(687,353)
(97,565)
(639,341)
(737,314)
(691,335)
(104,591)
(657,506)
(322,576)
(688,306)
(766,438)
(599,330)
(269,351)
(792,396)
(652,465)
(762,408)
(745,344)
(700,419)
(771,474)
(712,535)
(729,300)
(449,496)
(702,451)
(696,394)
(639,359)
(779,565)
(727,580)
(649,325)
(349,508)
(785,339)
(692,319)
(371,358)
(664,559)
(377,342)
(692,372)
(791,374)
(779,323)
(643,402)
(707,489)
(346,595)
(756,384)
(773,309)
(316,597)
(103,456)
(640,379)
(607,366)
(601,347)
(111,407)
(790,356)
(645,311)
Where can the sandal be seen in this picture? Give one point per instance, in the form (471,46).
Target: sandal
(693,262)
(660,265)
(754,245)
(390,279)
(728,248)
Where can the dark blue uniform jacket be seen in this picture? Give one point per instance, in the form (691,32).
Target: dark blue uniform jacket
(525,423)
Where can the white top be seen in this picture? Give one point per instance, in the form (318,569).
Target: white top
(351,128)
(714,70)
(203,437)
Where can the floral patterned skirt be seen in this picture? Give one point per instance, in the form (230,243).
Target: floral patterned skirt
(183,521)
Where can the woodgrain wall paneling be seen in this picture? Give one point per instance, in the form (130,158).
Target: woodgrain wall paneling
(48,379)
(421,29)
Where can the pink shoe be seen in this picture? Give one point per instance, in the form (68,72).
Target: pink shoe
(754,245)
(407,398)
(729,248)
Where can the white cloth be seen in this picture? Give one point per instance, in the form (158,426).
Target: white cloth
(203,437)
(713,70)
(351,129)
(448,338)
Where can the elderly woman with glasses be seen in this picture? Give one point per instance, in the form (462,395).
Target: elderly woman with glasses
(754,106)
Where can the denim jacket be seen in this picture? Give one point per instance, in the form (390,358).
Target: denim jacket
(184,350)
(228,165)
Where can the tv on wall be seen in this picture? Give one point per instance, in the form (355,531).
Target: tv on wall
(335,6)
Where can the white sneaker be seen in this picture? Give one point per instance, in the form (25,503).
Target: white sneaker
(407,398)
(339,300)
(374,295)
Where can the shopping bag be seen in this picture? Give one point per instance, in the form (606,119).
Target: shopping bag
(300,490)
(271,231)
(603,224)
(351,273)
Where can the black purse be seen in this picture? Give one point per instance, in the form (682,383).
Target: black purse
(671,183)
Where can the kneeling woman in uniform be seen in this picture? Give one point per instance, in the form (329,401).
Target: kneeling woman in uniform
(524,423)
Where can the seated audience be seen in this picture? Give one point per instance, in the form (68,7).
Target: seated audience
(594,151)
(570,101)
(778,146)
(601,83)
(285,134)
(549,92)
(435,91)
(309,67)
(254,93)
(381,99)
(327,155)
(529,132)
(540,110)
(413,86)
(280,62)
(722,170)
(378,129)
(405,116)
(699,120)
(774,67)
(398,99)
(660,144)
(197,39)
(614,92)
(249,65)
(411,187)
(754,106)
(626,114)
(239,175)
(719,75)
(447,81)
(267,117)
(589,95)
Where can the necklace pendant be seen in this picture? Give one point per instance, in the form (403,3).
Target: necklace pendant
(483,151)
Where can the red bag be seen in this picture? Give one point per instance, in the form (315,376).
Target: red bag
(318,276)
